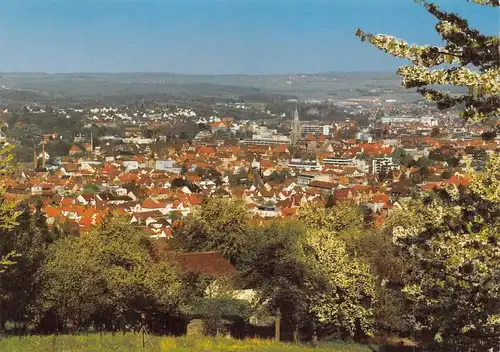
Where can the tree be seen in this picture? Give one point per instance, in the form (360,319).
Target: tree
(446,174)
(454,284)
(408,161)
(424,172)
(277,269)
(377,249)
(218,224)
(471,59)
(344,219)
(346,303)
(308,275)
(108,275)
(90,188)
(436,155)
(435,132)
(453,161)
(73,282)
(334,236)
(218,306)
(20,284)
(383,175)
(423,162)
(217,311)
(490,135)
(165,291)
(364,156)
(179,182)
(8,212)
(58,148)
(398,154)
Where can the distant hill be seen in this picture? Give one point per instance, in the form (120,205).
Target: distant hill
(74,86)
(353,74)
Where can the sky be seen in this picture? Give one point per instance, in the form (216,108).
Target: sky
(214,36)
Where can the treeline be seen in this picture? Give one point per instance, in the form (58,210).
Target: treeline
(106,279)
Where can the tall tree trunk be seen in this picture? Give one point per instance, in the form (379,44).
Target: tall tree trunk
(314,336)
(2,318)
(296,333)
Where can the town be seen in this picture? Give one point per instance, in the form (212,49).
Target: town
(131,161)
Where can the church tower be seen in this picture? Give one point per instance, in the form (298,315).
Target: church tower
(35,158)
(44,158)
(296,134)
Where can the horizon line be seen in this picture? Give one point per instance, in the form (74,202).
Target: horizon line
(193,74)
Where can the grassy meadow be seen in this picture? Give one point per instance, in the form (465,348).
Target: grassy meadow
(133,342)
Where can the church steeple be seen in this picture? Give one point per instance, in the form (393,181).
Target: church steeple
(295,135)
(35,157)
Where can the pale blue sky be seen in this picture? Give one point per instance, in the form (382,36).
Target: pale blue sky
(213,36)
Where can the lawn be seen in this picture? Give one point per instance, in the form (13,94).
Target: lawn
(133,342)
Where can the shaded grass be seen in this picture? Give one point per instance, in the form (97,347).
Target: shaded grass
(133,342)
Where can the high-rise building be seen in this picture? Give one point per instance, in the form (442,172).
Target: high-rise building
(296,133)
(315,129)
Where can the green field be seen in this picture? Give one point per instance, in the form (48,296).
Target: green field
(133,342)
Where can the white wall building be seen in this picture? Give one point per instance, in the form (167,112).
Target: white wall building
(383,163)
(429,121)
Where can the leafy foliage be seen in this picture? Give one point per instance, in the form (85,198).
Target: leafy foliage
(310,277)
(108,274)
(218,224)
(343,219)
(216,311)
(8,213)
(464,48)
(278,271)
(90,188)
(453,286)
(348,299)
(20,284)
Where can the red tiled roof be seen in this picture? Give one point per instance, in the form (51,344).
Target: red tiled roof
(193,199)
(280,148)
(344,193)
(206,150)
(431,186)
(74,149)
(288,211)
(51,212)
(194,178)
(128,177)
(322,184)
(266,163)
(150,204)
(206,263)
(67,202)
(382,198)
(86,221)
(458,180)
